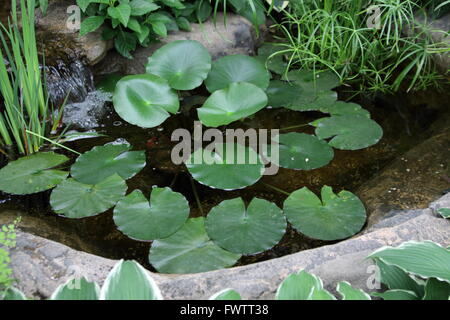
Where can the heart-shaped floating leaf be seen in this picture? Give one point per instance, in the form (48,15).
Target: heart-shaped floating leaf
(190,250)
(103,161)
(274,62)
(350,132)
(302,151)
(77,289)
(76,200)
(342,108)
(33,173)
(229,166)
(237,101)
(284,94)
(237,68)
(335,217)
(166,213)
(128,280)
(298,286)
(145,100)
(184,63)
(314,81)
(249,230)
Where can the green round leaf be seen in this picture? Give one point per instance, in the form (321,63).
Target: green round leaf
(237,68)
(141,220)
(229,166)
(249,230)
(190,250)
(335,217)
(184,63)
(350,132)
(33,173)
(76,200)
(274,62)
(103,161)
(302,151)
(284,94)
(145,100)
(310,80)
(342,108)
(237,101)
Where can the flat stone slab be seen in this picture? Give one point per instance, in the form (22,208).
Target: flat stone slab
(40,265)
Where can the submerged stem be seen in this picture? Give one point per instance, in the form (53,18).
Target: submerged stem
(277,189)
(295,127)
(197,199)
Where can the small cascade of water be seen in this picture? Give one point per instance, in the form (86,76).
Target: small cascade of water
(72,78)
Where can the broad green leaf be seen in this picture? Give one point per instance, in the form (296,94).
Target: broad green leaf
(267,54)
(143,36)
(203,11)
(164,215)
(342,108)
(174,3)
(436,290)
(243,230)
(190,250)
(142,7)
(159,28)
(145,100)
(349,132)
(396,294)
(184,63)
(122,13)
(314,81)
(302,151)
(237,68)
(134,25)
(76,200)
(283,94)
(91,24)
(128,280)
(32,174)
(321,294)
(13,294)
(229,166)
(298,286)
(102,162)
(237,101)
(349,293)
(125,43)
(425,259)
(395,278)
(444,212)
(83,4)
(334,217)
(311,100)
(183,24)
(227,294)
(77,289)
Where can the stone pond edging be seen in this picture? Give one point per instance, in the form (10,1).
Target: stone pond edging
(40,265)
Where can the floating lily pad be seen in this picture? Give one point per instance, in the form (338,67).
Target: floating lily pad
(350,132)
(145,100)
(103,161)
(284,94)
(274,62)
(332,218)
(184,63)
(75,200)
(33,173)
(243,230)
(190,250)
(237,101)
(310,80)
(77,289)
(237,68)
(141,220)
(302,151)
(228,167)
(128,280)
(342,108)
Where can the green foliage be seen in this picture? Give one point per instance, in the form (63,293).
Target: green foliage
(26,107)
(141,22)
(343,36)
(7,241)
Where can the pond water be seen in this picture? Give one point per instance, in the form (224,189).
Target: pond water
(404,119)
